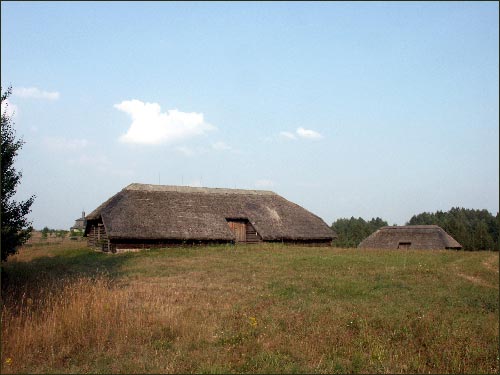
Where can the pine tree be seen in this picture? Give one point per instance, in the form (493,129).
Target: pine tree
(16,227)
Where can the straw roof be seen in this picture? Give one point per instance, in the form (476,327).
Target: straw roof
(142,211)
(410,236)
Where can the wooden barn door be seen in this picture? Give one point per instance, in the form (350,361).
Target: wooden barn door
(239,229)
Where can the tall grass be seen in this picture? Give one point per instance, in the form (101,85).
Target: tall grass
(250,309)
(80,324)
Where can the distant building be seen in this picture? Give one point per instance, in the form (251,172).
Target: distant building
(410,237)
(79,224)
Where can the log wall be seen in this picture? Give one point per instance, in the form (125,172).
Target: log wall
(252,235)
(97,236)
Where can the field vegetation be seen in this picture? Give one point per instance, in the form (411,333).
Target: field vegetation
(248,309)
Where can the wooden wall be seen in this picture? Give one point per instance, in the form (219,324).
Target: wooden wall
(97,237)
(252,235)
(243,231)
(308,243)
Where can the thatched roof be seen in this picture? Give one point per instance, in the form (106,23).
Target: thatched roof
(177,212)
(410,236)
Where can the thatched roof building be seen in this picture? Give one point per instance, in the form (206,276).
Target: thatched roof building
(143,216)
(410,237)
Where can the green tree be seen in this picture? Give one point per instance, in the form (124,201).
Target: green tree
(482,237)
(473,229)
(350,232)
(61,233)
(16,228)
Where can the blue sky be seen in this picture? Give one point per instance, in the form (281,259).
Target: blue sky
(348,109)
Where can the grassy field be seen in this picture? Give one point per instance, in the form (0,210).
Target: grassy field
(248,309)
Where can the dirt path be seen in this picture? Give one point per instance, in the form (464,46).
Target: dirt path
(488,263)
(477,280)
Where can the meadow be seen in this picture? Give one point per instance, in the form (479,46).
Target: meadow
(249,309)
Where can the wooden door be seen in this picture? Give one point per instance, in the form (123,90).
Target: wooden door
(239,230)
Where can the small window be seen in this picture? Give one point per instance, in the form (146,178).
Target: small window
(404,245)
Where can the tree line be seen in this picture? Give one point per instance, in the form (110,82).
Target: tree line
(350,232)
(60,233)
(473,229)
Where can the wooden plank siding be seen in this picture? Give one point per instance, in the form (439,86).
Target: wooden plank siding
(252,235)
(97,236)
(244,231)
(238,227)
(119,245)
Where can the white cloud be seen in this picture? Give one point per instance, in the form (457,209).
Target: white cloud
(192,151)
(221,146)
(33,92)
(9,108)
(287,135)
(64,144)
(301,133)
(307,133)
(151,126)
(264,183)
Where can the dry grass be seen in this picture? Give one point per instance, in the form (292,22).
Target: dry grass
(250,309)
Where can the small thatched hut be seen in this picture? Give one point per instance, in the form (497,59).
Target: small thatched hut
(145,216)
(410,237)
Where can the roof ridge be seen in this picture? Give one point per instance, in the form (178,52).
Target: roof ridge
(418,226)
(192,189)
